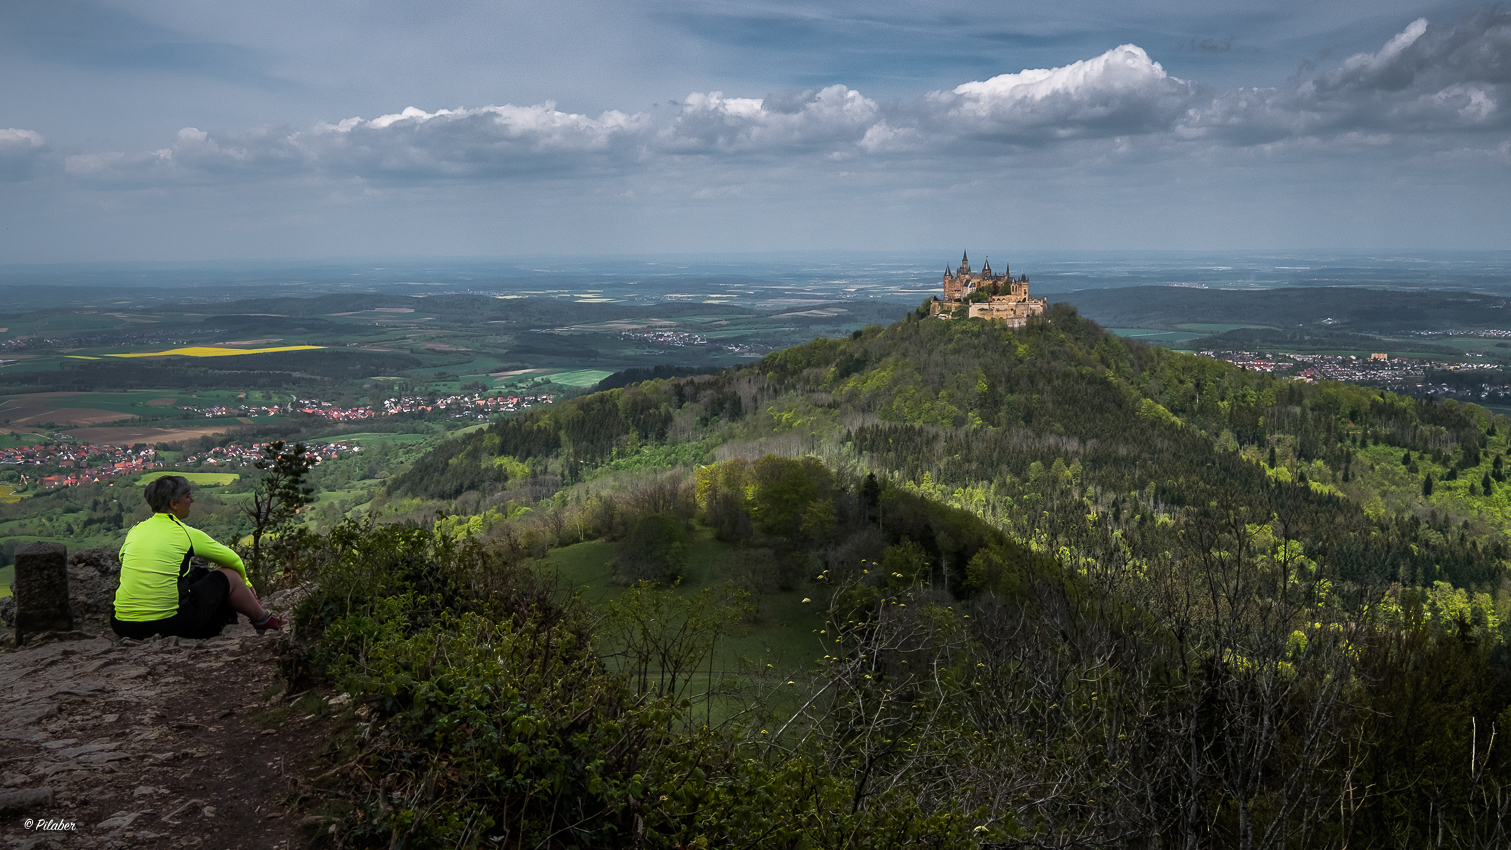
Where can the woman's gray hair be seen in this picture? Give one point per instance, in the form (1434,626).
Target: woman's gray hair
(169,488)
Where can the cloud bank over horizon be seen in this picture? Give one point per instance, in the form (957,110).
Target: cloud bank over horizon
(1432,96)
(1426,81)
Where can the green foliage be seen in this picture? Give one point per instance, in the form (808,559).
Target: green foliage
(491,712)
(278,494)
(655,550)
(1150,594)
(792,498)
(1153,411)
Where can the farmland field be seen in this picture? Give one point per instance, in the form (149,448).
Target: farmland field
(66,408)
(84,409)
(1152,335)
(1217,327)
(205,479)
(579,377)
(206,351)
(126,435)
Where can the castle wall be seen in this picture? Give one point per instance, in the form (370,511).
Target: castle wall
(1015,313)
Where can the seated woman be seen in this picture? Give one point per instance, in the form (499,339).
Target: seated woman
(157,552)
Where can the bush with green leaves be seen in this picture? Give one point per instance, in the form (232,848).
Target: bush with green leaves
(654,551)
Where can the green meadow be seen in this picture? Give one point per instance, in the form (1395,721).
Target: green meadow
(14,439)
(783,635)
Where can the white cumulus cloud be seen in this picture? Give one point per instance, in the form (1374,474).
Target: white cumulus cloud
(1424,83)
(1118,93)
(822,119)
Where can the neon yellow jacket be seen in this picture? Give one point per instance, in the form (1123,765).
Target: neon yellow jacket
(150,558)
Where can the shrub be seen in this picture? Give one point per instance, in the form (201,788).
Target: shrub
(654,551)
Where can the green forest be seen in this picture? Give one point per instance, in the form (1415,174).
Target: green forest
(1062,589)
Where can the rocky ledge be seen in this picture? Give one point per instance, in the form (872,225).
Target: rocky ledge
(163,743)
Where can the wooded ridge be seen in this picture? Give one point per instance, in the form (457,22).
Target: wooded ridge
(1078,592)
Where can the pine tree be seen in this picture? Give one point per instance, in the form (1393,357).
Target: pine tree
(1427,485)
(870,498)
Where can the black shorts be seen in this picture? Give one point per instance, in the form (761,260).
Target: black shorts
(209,610)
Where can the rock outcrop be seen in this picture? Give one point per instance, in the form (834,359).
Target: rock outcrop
(93,575)
(168,742)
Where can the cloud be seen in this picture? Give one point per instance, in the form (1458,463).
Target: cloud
(502,141)
(1121,92)
(1427,80)
(20,151)
(194,156)
(487,141)
(813,120)
(492,141)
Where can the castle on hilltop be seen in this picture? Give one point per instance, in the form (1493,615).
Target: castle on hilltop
(985,295)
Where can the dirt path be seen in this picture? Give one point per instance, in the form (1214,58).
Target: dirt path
(163,744)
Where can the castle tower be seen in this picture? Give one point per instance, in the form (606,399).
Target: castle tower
(954,290)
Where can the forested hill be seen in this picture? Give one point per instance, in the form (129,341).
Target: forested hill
(1059,432)
(1164,603)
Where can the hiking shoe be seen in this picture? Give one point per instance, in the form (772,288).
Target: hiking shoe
(273,622)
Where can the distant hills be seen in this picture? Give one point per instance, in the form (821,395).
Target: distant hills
(1354,309)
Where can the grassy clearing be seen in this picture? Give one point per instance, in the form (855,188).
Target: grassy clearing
(207,479)
(784,635)
(7,575)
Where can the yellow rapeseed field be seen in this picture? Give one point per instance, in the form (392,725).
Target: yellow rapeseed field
(206,351)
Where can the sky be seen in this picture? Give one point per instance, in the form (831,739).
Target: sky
(177,130)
